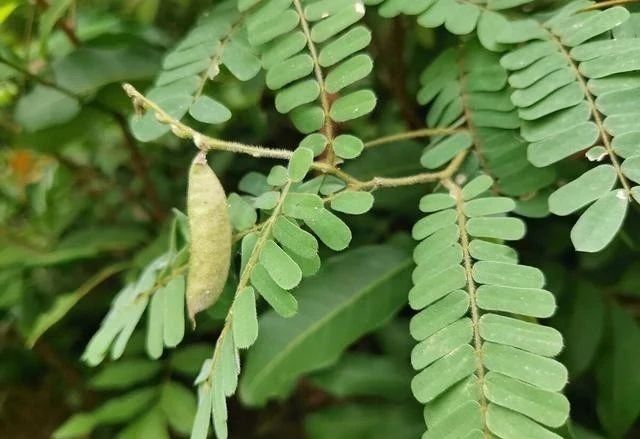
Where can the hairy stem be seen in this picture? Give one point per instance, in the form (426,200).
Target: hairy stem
(207,143)
(456,192)
(425,177)
(415,134)
(606,4)
(325,101)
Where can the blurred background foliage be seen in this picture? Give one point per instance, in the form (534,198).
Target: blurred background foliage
(84,207)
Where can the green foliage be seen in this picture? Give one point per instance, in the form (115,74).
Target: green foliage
(561,78)
(459,340)
(343,285)
(490,370)
(218,39)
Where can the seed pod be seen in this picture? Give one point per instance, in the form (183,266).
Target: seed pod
(210,230)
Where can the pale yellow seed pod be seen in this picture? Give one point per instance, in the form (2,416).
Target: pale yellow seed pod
(210,230)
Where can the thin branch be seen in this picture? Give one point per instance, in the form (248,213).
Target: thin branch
(606,4)
(246,272)
(456,192)
(392,74)
(325,100)
(137,160)
(426,177)
(202,141)
(79,293)
(207,143)
(140,168)
(65,25)
(39,79)
(424,132)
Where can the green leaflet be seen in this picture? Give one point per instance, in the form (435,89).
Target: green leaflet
(446,150)
(245,325)
(281,268)
(299,241)
(599,224)
(347,146)
(463,286)
(300,164)
(585,189)
(241,214)
(527,336)
(352,202)
(281,354)
(331,230)
(279,299)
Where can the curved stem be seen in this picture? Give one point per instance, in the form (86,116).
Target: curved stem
(606,4)
(424,132)
(202,142)
(207,143)
(425,177)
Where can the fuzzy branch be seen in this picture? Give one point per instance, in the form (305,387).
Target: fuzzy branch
(206,143)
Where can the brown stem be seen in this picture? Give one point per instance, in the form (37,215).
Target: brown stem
(397,74)
(606,4)
(416,134)
(140,168)
(66,26)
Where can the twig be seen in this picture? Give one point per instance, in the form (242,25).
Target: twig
(393,49)
(325,98)
(202,141)
(424,132)
(425,177)
(207,143)
(78,294)
(606,4)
